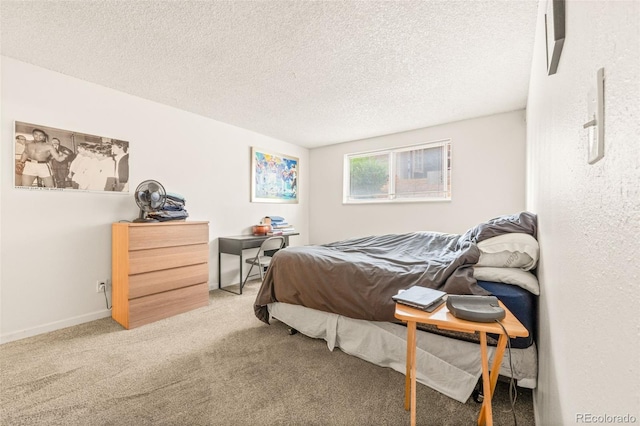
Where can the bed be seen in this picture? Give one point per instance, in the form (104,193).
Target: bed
(341,292)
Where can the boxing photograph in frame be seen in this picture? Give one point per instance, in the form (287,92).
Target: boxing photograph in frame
(48,158)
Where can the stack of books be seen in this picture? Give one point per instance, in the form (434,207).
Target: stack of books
(279,226)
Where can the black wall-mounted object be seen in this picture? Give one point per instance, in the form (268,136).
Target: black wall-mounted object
(554,25)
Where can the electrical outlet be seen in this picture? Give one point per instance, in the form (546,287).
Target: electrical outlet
(100,286)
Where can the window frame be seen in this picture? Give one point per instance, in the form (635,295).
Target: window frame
(392,197)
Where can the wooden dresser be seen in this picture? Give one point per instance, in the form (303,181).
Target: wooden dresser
(158,270)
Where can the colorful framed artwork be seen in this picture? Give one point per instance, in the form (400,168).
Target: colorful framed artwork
(274,177)
(47,158)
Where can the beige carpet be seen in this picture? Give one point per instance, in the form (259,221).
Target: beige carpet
(217,365)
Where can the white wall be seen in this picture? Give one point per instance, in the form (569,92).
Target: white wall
(589,216)
(488,180)
(55,245)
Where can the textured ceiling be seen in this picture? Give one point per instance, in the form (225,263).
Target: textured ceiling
(307,72)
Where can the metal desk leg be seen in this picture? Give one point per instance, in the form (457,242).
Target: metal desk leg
(220,275)
(240,272)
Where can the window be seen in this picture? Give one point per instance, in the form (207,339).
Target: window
(420,173)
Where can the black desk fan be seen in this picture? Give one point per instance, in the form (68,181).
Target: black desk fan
(150,195)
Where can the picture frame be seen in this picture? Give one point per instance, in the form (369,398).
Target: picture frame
(274,177)
(52,159)
(554,23)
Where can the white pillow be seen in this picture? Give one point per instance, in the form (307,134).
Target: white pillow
(512,250)
(514,276)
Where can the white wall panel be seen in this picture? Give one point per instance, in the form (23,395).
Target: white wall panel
(589,217)
(487,172)
(55,245)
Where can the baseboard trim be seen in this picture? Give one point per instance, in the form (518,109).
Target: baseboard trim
(53,326)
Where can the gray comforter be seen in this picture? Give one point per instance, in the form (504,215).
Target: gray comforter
(357,277)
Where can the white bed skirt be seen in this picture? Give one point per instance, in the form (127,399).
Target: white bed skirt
(447,365)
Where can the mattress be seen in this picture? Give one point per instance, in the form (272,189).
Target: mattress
(450,366)
(522,305)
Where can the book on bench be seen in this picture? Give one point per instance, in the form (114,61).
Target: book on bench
(423,298)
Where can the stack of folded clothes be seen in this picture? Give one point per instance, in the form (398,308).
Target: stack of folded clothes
(173,209)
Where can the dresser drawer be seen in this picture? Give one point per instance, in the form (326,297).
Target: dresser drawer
(167,235)
(144,310)
(141,261)
(158,270)
(169,279)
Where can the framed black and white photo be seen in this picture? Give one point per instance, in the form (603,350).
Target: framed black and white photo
(47,158)
(555,33)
